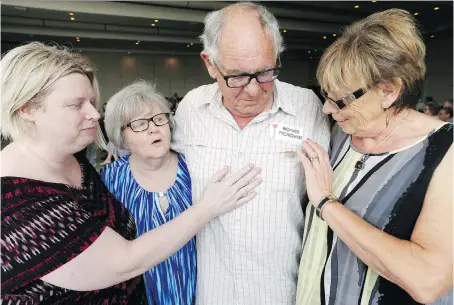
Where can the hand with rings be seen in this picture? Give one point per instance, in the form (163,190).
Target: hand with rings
(318,171)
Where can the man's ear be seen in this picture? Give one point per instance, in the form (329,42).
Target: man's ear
(210,67)
(390,91)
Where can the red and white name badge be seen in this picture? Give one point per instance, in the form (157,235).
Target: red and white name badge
(286,133)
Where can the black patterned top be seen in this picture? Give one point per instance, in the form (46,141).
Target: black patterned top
(44,225)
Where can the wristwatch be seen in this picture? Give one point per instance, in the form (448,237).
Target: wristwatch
(322,204)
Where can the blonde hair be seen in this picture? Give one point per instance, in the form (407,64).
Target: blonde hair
(384,47)
(28,75)
(129,102)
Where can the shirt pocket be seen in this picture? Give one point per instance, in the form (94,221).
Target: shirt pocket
(200,161)
(280,165)
(196,149)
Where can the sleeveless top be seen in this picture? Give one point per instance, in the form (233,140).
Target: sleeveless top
(173,281)
(44,225)
(388,193)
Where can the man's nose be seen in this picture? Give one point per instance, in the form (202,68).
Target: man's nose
(253,88)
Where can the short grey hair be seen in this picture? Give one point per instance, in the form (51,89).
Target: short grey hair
(128,103)
(214,22)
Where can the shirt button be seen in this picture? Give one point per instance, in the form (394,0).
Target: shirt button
(237,220)
(240,154)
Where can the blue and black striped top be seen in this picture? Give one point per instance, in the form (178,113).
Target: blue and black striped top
(174,280)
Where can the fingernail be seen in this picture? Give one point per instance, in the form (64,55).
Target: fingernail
(258,170)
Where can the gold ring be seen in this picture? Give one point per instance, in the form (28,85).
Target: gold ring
(312,158)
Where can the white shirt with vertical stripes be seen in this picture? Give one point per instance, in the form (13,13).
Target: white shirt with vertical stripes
(249,256)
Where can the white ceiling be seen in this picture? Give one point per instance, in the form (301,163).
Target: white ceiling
(117,26)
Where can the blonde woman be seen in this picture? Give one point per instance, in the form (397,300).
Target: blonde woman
(378,226)
(65,238)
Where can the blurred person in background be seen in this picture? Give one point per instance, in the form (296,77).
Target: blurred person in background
(447,103)
(445,114)
(431,109)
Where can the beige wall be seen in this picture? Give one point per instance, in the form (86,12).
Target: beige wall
(170,73)
(183,73)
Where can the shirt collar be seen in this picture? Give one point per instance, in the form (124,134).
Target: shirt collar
(282,99)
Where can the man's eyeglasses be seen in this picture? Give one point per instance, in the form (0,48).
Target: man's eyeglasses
(242,80)
(143,124)
(345,100)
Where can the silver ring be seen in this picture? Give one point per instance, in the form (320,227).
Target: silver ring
(312,159)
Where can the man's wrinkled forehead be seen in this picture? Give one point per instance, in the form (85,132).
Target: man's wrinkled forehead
(245,51)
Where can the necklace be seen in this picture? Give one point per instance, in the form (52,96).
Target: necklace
(359,165)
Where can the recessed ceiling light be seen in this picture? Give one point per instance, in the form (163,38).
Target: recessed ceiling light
(334,35)
(308,51)
(432,36)
(436,8)
(20,8)
(138,40)
(156,20)
(373,1)
(416,14)
(324,37)
(72,18)
(187,46)
(71,14)
(285,31)
(356,6)
(310,57)
(192,43)
(153,24)
(137,43)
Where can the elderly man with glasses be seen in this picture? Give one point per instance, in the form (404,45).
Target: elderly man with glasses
(251,255)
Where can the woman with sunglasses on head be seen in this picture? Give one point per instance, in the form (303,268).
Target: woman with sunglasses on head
(378,227)
(64,238)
